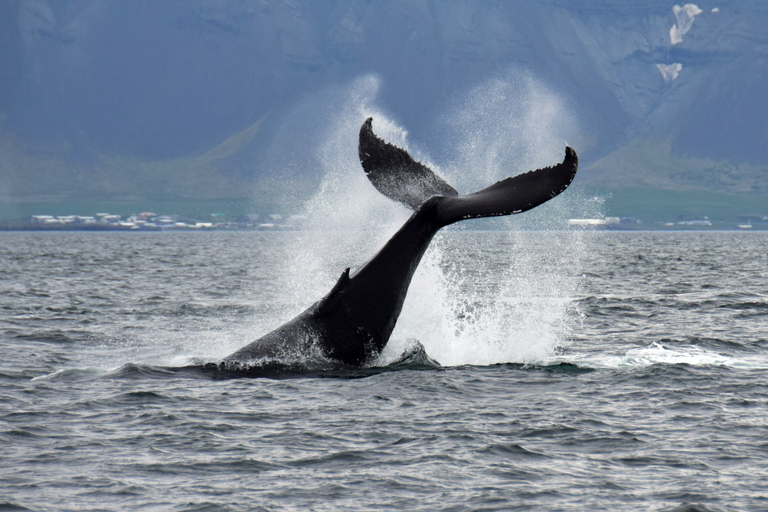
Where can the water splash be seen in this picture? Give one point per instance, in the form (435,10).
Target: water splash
(349,220)
(478,297)
(502,296)
(505,126)
(493,297)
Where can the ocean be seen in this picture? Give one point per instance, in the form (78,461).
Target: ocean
(531,370)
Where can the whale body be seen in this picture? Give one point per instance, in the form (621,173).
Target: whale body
(354,321)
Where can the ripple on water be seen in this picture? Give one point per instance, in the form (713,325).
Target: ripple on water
(655,395)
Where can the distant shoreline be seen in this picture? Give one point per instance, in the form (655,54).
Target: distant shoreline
(287,228)
(170,229)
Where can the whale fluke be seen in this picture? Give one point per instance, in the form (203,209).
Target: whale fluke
(512,195)
(395,174)
(398,176)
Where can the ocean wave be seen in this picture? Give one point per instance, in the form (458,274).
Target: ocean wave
(666,353)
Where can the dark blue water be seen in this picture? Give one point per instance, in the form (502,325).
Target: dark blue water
(531,371)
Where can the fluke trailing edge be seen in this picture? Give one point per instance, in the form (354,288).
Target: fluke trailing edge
(352,324)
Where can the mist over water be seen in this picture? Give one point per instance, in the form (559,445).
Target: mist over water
(503,127)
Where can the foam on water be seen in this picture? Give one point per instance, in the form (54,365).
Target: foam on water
(658,353)
(504,127)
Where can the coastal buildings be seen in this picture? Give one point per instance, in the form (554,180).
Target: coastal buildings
(149,221)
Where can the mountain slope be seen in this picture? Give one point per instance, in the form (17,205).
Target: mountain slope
(158,85)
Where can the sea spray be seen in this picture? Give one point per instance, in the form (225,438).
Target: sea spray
(452,310)
(347,219)
(486,297)
(503,127)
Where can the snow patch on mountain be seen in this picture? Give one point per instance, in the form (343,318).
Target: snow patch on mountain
(669,71)
(684,16)
(683,21)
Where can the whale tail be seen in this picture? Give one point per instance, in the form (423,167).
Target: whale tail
(398,176)
(511,195)
(354,321)
(395,174)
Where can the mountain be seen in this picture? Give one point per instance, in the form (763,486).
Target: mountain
(200,99)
